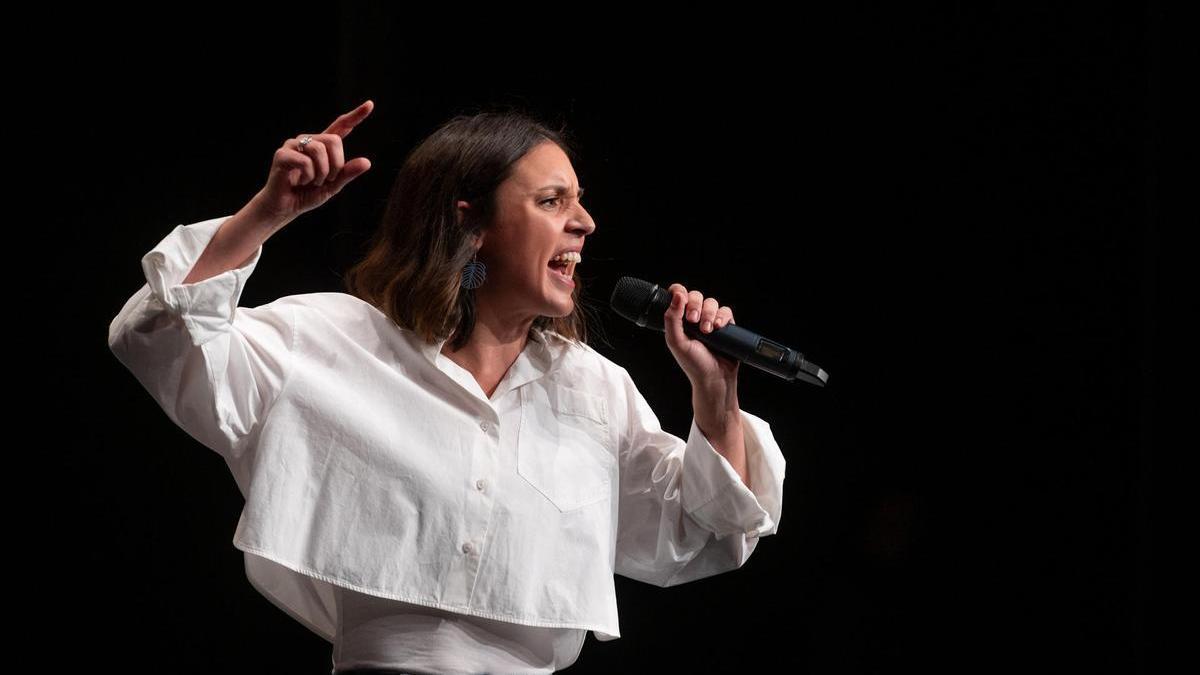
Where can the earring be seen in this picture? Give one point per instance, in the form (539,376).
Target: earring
(474,273)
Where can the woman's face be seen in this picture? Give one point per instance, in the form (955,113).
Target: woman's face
(538,214)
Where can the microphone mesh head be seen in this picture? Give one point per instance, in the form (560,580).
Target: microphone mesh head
(631,298)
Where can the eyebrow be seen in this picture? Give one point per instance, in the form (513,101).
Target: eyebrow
(560,189)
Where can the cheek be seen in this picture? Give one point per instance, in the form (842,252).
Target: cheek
(521,266)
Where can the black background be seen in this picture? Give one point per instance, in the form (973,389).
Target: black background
(950,209)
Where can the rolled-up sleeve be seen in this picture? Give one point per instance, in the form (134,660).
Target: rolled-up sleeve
(684,512)
(214,368)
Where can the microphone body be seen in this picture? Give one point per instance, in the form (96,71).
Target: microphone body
(644,304)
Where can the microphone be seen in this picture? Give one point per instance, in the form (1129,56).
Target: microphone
(645,303)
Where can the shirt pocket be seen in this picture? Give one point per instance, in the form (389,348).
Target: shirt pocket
(564,448)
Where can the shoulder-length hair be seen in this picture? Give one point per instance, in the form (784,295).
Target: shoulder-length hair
(413,266)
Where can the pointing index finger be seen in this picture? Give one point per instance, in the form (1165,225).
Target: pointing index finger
(346,122)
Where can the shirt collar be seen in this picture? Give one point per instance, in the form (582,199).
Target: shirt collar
(543,353)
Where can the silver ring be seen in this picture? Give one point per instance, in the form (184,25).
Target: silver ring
(305,141)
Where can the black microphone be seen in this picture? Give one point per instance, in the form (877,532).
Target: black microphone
(645,303)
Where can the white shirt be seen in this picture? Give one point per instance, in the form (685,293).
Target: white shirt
(370,461)
(381,633)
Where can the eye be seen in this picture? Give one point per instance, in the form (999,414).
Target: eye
(551,199)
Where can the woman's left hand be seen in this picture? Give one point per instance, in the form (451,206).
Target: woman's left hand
(705,369)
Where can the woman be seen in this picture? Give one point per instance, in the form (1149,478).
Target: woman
(440,474)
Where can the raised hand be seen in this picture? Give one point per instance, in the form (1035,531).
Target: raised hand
(305,175)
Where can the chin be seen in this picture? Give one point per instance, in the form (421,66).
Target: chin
(558,311)
(558,303)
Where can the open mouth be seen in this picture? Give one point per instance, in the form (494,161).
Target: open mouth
(563,266)
(562,271)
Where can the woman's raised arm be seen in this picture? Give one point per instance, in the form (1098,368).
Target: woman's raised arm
(216,368)
(305,172)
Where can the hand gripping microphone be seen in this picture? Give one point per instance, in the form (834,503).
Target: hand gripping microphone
(645,303)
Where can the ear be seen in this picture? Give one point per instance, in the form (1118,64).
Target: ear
(461,212)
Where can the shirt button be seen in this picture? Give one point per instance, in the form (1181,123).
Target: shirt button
(480,483)
(483,425)
(467,547)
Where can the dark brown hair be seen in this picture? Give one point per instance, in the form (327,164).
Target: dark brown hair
(414,261)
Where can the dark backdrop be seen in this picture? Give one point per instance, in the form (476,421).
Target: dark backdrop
(949,209)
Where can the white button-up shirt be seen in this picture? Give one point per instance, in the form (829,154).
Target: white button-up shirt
(370,461)
(378,632)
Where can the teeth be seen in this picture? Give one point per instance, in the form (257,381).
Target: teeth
(569,256)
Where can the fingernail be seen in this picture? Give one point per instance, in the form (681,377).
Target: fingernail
(707,325)
(695,314)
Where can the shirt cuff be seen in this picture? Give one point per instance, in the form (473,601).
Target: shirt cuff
(206,306)
(714,494)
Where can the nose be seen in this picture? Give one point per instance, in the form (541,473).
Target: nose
(582,222)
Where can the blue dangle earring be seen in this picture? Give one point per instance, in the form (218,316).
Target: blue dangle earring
(474,273)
